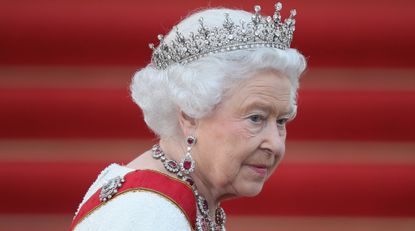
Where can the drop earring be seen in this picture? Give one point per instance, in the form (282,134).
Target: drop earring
(187,165)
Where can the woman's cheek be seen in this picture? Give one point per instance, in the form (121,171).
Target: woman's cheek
(250,130)
(238,130)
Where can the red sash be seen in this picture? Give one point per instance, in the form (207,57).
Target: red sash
(168,187)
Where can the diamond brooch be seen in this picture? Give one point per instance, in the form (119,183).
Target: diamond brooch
(111,188)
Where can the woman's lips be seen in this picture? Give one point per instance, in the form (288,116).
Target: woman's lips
(262,170)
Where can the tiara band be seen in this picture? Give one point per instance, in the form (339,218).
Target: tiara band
(260,31)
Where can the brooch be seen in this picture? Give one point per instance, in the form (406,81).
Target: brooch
(110,189)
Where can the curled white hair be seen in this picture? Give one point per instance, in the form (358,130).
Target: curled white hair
(197,87)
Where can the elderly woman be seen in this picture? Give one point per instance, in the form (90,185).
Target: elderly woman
(218,93)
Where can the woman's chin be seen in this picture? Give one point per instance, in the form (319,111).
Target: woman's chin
(251,190)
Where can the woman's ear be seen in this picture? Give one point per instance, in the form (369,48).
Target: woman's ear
(188,124)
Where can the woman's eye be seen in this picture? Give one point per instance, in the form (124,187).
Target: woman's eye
(282,122)
(256,118)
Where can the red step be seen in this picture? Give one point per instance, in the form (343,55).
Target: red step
(110,113)
(330,33)
(295,189)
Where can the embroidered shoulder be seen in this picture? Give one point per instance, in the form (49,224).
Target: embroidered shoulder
(164,187)
(111,171)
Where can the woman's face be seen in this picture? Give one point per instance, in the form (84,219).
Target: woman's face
(242,141)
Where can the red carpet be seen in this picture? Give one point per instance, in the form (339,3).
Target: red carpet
(65,111)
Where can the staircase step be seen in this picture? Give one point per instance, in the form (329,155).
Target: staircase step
(110,113)
(330,33)
(52,222)
(295,190)
(124,150)
(119,77)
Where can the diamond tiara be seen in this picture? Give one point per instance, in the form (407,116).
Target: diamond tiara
(260,31)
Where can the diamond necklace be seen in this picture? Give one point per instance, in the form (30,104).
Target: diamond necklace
(203,220)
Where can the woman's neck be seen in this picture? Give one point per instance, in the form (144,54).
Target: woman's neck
(207,191)
(175,150)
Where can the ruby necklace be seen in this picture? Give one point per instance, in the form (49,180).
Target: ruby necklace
(203,220)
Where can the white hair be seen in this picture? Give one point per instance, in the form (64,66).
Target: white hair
(197,87)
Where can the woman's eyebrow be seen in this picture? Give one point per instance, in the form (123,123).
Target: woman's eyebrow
(267,107)
(257,104)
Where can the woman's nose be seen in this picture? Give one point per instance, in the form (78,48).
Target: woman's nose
(274,139)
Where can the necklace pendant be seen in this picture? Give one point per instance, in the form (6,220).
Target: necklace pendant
(187,165)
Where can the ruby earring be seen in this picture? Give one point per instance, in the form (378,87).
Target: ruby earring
(187,165)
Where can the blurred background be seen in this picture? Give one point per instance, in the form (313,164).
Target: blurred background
(66,113)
